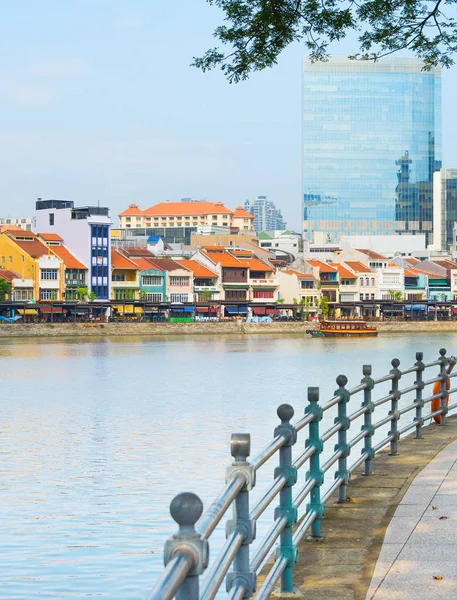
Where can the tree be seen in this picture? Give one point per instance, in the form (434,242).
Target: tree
(92,296)
(396,295)
(207,296)
(5,290)
(323,304)
(257,31)
(143,295)
(82,293)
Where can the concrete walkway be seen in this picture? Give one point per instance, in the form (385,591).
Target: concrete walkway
(418,558)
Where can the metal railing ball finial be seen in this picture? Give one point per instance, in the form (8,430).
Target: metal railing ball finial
(419,356)
(395,363)
(341,380)
(366,370)
(186,509)
(240,446)
(443,351)
(285,412)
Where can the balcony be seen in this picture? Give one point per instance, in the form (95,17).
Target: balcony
(205,288)
(263,282)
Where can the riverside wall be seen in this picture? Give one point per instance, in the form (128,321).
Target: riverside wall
(18,330)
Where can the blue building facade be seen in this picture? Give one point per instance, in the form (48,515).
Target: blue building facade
(371,143)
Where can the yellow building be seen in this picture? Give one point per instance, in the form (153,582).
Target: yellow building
(177,214)
(38,267)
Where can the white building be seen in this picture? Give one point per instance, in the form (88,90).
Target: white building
(85,232)
(287,242)
(266,216)
(23,223)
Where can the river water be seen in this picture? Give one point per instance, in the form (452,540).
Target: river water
(98,436)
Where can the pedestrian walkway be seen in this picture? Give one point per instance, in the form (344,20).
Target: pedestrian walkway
(418,559)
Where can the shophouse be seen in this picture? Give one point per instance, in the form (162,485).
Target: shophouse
(206,281)
(179,280)
(75,273)
(125,277)
(153,280)
(41,272)
(299,288)
(328,282)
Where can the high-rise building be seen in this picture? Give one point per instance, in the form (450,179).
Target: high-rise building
(444,208)
(85,232)
(266,216)
(371,143)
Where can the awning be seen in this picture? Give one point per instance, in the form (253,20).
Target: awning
(236,310)
(128,309)
(182,308)
(205,309)
(415,307)
(454,310)
(258,310)
(272,311)
(27,311)
(51,309)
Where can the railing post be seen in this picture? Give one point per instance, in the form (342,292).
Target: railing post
(367,420)
(186,509)
(315,471)
(394,407)
(286,508)
(419,400)
(444,379)
(342,445)
(241,576)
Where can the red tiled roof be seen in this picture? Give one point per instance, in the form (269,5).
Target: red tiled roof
(411,260)
(357,267)
(4,228)
(166,264)
(51,237)
(411,273)
(371,254)
(119,261)
(8,275)
(197,269)
(144,264)
(133,252)
(69,260)
(33,248)
(187,208)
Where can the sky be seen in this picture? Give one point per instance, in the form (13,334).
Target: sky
(99,103)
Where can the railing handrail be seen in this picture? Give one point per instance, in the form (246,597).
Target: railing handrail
(186,553)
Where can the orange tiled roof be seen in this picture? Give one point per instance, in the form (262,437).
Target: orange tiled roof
(67,257)
(300,275)
(132,210)
(4,228)
(358,267)
(119,261)
(219,255)
(323,267)
(51,237)
(411,273)
(256,264)
(166,264)
(411,260)
(197,269)
(201,207)
(345,272)
(240,213)
(144,265)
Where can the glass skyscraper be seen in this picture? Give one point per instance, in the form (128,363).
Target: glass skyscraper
(371,143)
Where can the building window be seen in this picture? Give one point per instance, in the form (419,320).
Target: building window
(124,294)
(118,277)
(48,274)
(153,297)
(235,295)
(307,285)
(23,295)
(179,281)
(372,281)
(48,294)
(179,298)
(128,219)
(11,260)
(152,280)
(361,283)
(51,218)
(263,294)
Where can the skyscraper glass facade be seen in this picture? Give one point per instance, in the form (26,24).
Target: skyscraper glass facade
(371,143)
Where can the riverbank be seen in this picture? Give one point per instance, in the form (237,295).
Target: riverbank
(18,330)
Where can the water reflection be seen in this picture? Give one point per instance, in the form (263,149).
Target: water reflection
(98,435)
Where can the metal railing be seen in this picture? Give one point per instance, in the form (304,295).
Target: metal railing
(239,562)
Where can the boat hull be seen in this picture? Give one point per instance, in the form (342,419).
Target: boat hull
(348,333)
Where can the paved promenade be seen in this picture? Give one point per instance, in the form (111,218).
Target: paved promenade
(418,558)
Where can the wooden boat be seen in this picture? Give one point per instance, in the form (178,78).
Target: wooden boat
(343,328)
